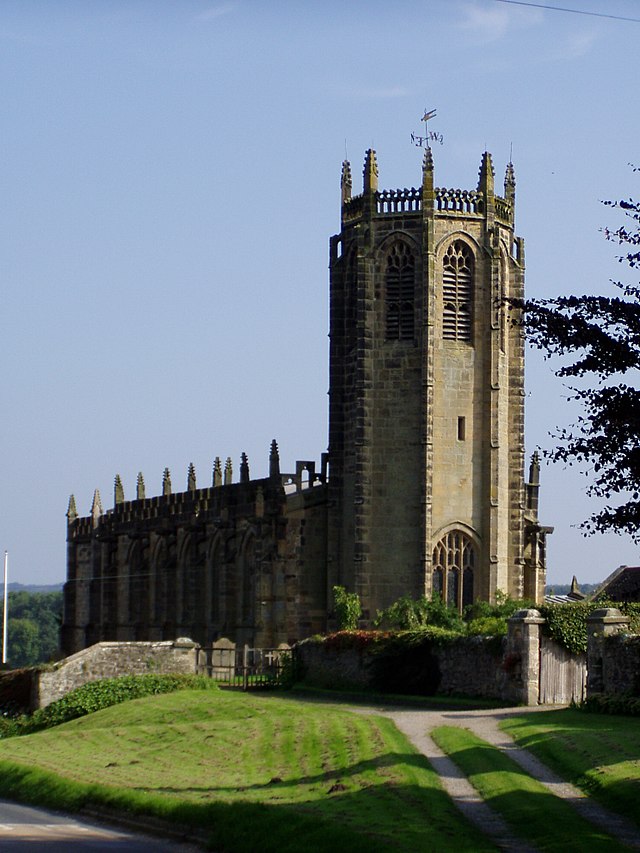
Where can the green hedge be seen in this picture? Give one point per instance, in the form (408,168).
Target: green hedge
(97,695)
(567,623)
(626,705)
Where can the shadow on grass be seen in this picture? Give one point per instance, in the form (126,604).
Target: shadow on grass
(390,759)
(588,749)
(380,818)
(538,815)
(318,695)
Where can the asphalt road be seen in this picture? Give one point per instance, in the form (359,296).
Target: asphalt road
(24,828)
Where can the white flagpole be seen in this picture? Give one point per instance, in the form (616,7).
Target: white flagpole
(4,610)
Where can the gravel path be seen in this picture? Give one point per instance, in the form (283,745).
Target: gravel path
(416,725)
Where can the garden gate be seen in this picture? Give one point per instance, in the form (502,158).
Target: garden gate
(563,676)
(242,667)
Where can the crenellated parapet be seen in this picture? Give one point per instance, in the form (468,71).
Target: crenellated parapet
(407,201)
(205,502)
(469,202)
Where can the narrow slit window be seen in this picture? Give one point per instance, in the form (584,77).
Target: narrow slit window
(462,429)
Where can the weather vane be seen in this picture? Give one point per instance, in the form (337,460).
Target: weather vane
(429,135)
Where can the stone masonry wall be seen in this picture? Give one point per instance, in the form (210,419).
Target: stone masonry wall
(332,668)
(612,655)
(109,660)
(621,665)
(470,666)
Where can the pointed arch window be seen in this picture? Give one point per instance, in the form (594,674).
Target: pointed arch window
(454,559)
(400,277)
(457,292)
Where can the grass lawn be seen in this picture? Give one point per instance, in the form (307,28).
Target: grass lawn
(598,752)
(530,809)
(370,697)
(258,772)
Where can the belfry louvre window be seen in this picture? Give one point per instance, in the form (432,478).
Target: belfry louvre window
(351,301)
(457,292)
(454,561)
(399,291)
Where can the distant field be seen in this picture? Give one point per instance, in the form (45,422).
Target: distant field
(258,772)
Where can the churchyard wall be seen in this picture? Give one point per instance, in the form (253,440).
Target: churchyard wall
(110,660)
(469,666)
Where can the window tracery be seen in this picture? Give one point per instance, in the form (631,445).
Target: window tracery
(454,559)
(400,293)
(457,292)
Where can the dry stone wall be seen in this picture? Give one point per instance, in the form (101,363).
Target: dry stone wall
(621,665)
(470,666)
(110,660)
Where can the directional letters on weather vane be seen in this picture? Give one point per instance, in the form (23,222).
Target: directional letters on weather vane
(429,135)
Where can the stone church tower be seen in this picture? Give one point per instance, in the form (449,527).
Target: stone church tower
(426,414)
(425,487)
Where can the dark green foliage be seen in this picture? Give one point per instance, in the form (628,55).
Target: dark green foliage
(16,688)
(567,623)
(625,705)
(600,335)
(480,618)
(347,608)
(484,619)
(33,627)
(408,614)
(288,673)
(102,694)
(630,609)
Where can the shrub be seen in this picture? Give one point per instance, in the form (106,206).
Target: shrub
(407,614)
(504,607)
(347,607)
(488,626)
(625,704)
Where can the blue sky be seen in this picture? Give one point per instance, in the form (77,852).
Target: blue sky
(169,175)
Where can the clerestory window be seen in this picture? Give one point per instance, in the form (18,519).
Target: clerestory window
(400,293)
(457,293)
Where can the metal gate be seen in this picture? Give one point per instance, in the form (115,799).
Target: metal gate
(563,676)
(243,667)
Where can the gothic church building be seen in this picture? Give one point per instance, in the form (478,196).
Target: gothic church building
(423,487)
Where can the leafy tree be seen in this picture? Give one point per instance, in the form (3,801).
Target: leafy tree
(34,627)
(23,642)
(600,336)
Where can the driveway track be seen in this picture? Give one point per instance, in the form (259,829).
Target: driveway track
(417,725)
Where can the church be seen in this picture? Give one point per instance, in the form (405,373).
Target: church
(422,489)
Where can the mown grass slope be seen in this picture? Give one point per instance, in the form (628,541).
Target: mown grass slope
(598,752)
(535,814)
(255,771)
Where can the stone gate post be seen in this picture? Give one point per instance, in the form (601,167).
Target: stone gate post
(601,624)
(521,662)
